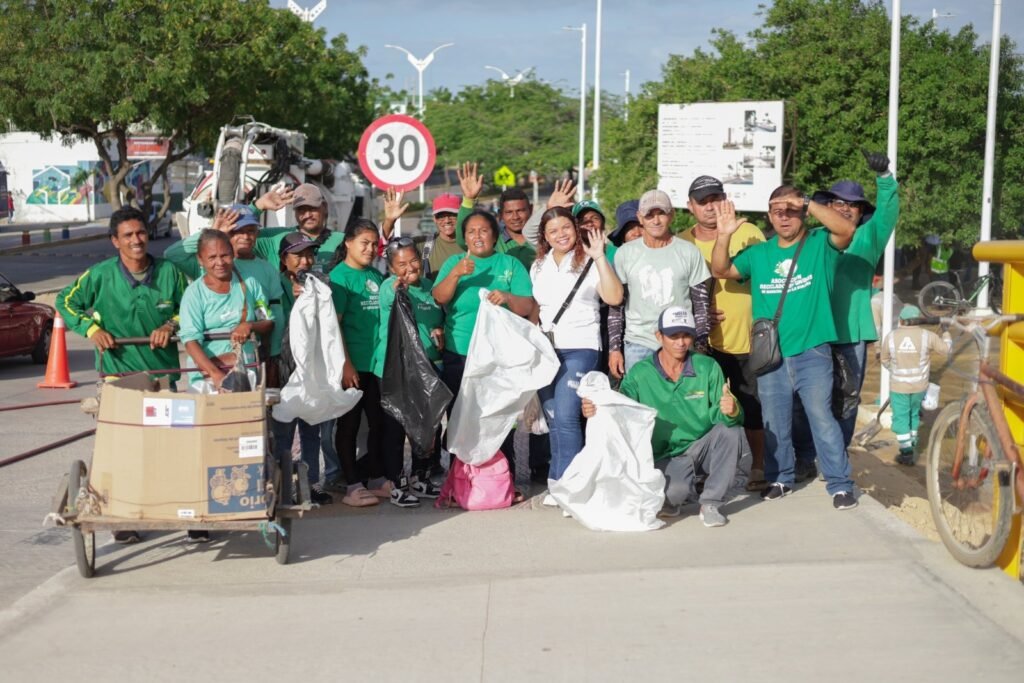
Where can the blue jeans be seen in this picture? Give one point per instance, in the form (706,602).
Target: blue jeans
(309,443)
(634,353)
(802,441)
(332,466)
(563,408)
(809,376)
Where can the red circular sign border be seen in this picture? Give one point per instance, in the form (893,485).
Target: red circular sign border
(397,118)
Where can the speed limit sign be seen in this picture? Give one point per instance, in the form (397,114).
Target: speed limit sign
(397,151)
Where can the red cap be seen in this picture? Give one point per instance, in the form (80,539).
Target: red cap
(446,203)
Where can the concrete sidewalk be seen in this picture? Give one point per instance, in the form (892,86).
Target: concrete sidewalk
(790,590)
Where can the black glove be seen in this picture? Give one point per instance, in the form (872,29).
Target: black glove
(877,161)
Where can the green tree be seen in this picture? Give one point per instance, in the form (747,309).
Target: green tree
(829,60)
(102,69)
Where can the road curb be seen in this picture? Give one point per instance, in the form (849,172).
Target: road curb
(46,245)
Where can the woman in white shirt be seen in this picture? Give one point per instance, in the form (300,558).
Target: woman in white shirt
(566,255)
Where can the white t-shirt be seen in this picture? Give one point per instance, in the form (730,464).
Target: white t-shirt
(657,278)
(580,325)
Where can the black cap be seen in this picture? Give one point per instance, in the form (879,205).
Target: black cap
(295,242)
(705,186)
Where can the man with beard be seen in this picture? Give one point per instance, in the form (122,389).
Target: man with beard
(311,215)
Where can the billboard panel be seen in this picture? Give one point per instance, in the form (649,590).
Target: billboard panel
(740,143)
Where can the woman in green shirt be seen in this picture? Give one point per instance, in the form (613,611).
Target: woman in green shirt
(355,287)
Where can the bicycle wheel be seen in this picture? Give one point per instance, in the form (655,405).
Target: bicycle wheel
(938,299)
(973,510)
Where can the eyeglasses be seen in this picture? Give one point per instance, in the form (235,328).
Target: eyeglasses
(842,203)
(400,243)
(783,213)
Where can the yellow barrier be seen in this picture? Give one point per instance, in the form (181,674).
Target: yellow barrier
(1011,362)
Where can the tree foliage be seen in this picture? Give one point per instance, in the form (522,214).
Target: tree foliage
(101,69)
(829,60)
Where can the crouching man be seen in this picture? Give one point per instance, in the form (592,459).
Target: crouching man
(699,428)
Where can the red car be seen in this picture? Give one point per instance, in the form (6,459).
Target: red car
(25,327)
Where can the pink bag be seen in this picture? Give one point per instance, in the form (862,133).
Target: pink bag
(477,487)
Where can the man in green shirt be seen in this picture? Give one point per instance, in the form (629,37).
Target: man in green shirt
(805,330)
(311,214)
(131,295)
(698,427)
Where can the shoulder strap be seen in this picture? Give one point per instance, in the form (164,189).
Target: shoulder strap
(245,295)
(575,287)
(785,287)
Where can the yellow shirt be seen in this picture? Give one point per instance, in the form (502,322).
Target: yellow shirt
(733,335)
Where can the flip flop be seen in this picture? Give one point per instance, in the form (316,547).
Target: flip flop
(360,498)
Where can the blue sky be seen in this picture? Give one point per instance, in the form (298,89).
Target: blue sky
(637,34)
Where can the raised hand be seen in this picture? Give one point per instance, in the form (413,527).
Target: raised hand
(393,206)
(563,195)
(276,198)
(225,219)
(727,404)
(595,243)
(465,267)
(728,221)
(877,161)
(472,183)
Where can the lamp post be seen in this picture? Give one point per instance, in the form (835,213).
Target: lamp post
(597,99)
(420,65)
(583,106)
(626,113)
(990,146)
(889,260)
(511,81)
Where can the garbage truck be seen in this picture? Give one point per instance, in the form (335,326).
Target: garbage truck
(252,158)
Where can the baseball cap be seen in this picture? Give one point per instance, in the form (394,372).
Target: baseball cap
(909,312)
(586,205)
(308,194)
(446,203)
(654,199)
(705,186)
(847,190)
(676,319)
(295,242)
(245,217)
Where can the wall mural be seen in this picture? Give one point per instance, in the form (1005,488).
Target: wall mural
(70,185)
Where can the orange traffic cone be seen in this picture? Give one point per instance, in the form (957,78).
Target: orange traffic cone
(57,376)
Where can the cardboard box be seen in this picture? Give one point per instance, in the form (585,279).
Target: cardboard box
(163,455)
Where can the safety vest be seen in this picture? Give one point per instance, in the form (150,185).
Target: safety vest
(903,370)
(940,262)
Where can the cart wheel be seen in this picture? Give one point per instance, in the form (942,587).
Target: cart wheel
(85,543)
(283,543)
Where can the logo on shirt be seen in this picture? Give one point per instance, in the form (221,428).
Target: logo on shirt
(163,305)
(907,345)
(694,395)
(656,285)
(782,269)
(372,286)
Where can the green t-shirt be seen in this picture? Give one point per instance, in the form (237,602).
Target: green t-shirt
(428,315)
(497,271)
(806,319)
(687,408)
(851,299)
(525,253)
(269,241)
(356,299)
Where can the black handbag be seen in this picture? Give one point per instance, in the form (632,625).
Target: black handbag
(765,352)
(550,334)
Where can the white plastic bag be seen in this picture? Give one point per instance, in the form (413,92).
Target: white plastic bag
(931,397)
(612,484)
(314,392)
(509,359)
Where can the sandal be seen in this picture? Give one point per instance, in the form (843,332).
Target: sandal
(360,498)
(757,481)
(517,496)
(383,492)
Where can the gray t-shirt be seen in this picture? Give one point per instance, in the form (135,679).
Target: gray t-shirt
(657,278)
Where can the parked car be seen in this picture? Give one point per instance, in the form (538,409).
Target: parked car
(25,327)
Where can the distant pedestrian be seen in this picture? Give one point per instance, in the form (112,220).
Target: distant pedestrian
(10,207)
(906,354)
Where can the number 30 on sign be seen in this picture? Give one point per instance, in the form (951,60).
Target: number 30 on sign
(397,151)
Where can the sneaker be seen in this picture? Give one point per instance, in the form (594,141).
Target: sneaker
(712,516)
(424,488)
(337,485)
(805,472)
(549,501)
(403,499)
(776,491)
(844,500)
(197,537)
(319,496)
(127,537)
(905,458)
(668,511)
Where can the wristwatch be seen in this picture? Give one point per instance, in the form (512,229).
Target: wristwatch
(807,203)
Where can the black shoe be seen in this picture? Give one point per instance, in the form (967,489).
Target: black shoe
(539,475)
(319,496)
(127,537)
(905,458)
(776,491)
(805,472)
(197,537)
(844,500)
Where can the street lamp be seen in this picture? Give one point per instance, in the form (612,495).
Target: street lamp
(889,259)
(626,112)
(420,65)
(990,147)
(511,81)
(583,105)
(597,99)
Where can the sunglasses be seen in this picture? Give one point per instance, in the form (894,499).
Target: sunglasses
(400,243)
(842,203)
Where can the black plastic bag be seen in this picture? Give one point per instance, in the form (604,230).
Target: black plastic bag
(845,388)
(411,390)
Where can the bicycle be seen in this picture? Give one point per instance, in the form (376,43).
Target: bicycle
(973,462)
(941,298)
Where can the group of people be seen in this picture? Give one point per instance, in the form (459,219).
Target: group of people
(668,317)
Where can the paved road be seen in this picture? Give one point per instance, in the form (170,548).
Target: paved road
(788,591)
